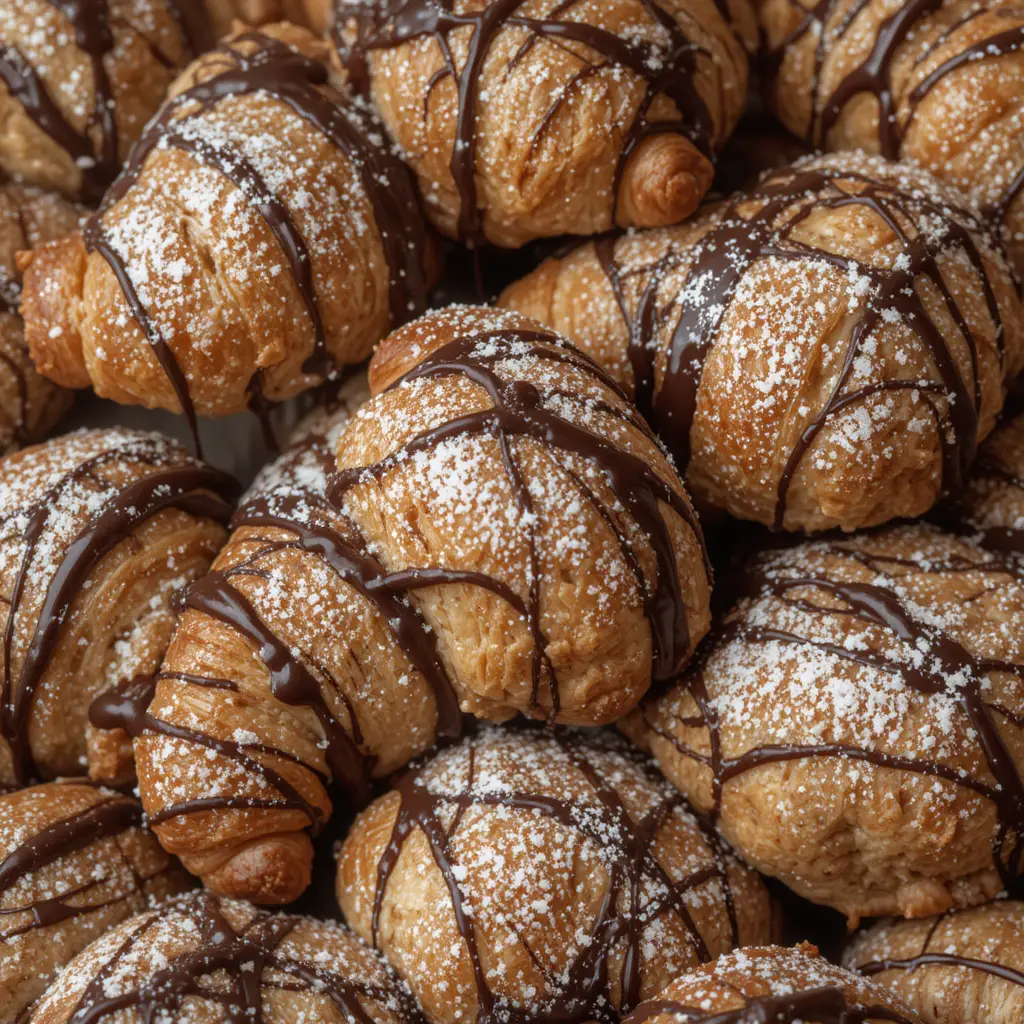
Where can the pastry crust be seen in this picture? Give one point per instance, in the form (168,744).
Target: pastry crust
(74,861)
(98,531)
(505,466)
(261,236)
(538,876)
(30,405)
(772,983)
(957,968)
(79,81)
(192,958)
(810,366)
(864,706)
(934,82)
(527,119)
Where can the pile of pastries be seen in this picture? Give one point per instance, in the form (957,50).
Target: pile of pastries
(600,641)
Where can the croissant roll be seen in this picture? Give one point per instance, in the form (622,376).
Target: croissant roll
(206,960)
(957,968)
(74,861)
(934,82)
(526,119)
(99,531)
(210,279)
(854,726)
(772,983)
(78,81)
(525,875)
(824,351)
(30,405)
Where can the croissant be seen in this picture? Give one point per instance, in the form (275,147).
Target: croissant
(30,405)
(99,530)
(78,81)
(536,876)
(260,237)
(854,728)
(526,119)
(74,861)
(957,968)
(823,351)
(772,983)
(937,83)
(205,960)
(507,538)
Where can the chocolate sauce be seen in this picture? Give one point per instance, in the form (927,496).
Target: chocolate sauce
(195,489)
(518,410)
(737,239)
(250,962)
(877,604)
(582,991)
(302,84)
(387,24)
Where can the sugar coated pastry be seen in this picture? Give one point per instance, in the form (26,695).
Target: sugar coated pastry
(959,967)
(531,876)
(855,727)
(932,81)
(776,984)
(201,959)
(99,531)
(262,235)
(74,861)
(526,119)
(80,78)
(29,404)
(823,351)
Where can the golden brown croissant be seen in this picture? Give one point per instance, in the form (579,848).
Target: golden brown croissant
(261,236)
(824,351)
(29,404)
(937,82)
(962,967)
(776,984)
(855,728)
(200,959)
(99,531)
(525,875)
(74,861)
(509,540)
(78,81)
(531,118)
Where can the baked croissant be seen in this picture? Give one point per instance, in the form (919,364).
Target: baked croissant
(776,984)
(538,558)
(938,83)
(855,727)
(201,959)
(99,531)
(525,875)
(526,119)
(961,967)
(261,236)
(78,81)
(823,351)
(29,404)
(74,861)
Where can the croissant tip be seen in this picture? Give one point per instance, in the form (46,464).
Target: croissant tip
(272,870)
(664,182)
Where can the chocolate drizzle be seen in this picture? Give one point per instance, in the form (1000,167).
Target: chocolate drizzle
(363,27)
(581,990)
(249,958)
(262,64)
(738,238)
(90,20)
(949,668)
(520,409)
(198,490)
